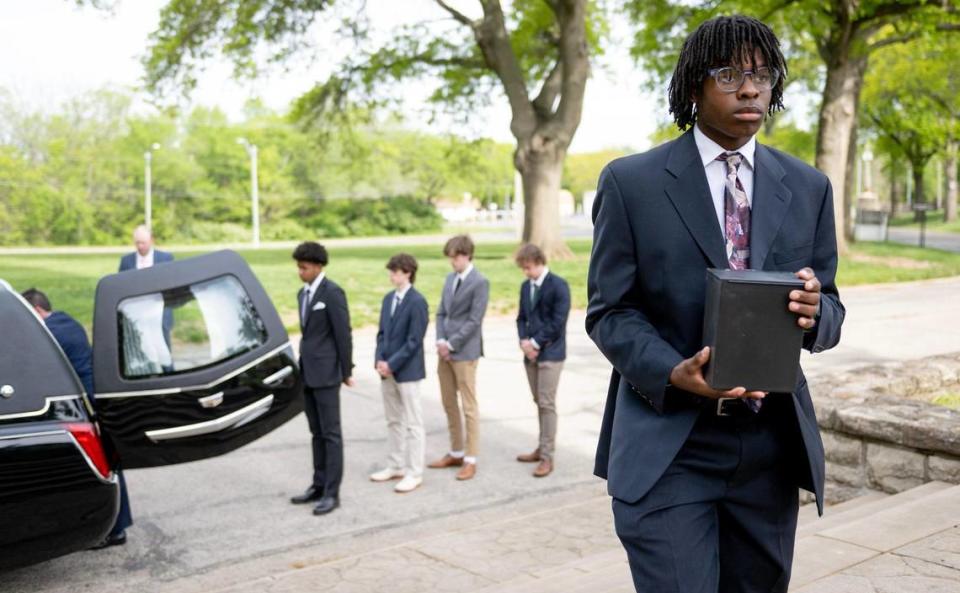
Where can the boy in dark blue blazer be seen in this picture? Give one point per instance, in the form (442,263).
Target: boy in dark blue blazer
(542,327)
(399,361)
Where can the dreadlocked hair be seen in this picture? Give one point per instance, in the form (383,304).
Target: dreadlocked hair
(722,41)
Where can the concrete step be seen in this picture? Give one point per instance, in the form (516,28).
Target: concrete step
(900,524)
(863,506)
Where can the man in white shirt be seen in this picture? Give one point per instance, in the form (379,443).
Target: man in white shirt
(145,255)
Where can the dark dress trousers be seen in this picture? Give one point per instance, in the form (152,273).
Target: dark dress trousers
(545,321)
(73,341)
(701,503)
(400,337)
(326,360)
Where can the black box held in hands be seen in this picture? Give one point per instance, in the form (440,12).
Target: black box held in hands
(754,338)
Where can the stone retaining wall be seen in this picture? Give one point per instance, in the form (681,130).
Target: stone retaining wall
(880,433)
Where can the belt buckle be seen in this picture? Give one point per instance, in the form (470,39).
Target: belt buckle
(720,401)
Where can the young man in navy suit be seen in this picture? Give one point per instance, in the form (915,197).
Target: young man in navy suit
(542,328)
(326,362)
(399,361)
(72,339)
(705,482)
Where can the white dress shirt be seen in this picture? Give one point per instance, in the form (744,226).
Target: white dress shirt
(538,282)
(398,296)
(310,290)
(716,171)
(145,261)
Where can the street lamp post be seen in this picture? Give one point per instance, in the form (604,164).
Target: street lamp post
(254,191)
(147,186)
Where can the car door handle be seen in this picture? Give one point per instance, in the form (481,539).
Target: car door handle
(235,419)
(279,376)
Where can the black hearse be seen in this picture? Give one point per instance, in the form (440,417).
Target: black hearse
(191,360)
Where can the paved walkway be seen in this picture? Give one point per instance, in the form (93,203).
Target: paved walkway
(226,522)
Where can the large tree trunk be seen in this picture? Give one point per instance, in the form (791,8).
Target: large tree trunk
(917,172)
(894,188)
(838,118)
(950,172)
(541,169)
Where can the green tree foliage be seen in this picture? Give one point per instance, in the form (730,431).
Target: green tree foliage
(536,53)
(911,102)
(76,176)
(836,37)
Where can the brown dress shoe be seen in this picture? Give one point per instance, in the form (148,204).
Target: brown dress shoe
(446,461)
(467,471)
(544,469)
(529,457)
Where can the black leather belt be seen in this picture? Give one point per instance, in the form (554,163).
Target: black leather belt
(733,406)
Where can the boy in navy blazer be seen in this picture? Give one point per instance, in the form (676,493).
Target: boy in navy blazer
(542,328)
(399,361)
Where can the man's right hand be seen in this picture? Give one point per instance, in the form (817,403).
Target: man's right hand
(688,376)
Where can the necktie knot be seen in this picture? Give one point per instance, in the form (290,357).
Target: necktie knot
(732,160)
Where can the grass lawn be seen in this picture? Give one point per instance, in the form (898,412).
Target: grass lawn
(934,222)
(70,280)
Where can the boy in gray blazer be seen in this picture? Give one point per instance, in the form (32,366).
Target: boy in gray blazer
(459,348)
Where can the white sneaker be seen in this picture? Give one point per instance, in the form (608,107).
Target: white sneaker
(408,484)
(385,475)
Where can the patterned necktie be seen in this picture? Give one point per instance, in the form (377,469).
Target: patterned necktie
(396,303)
(736,214)
(736,228)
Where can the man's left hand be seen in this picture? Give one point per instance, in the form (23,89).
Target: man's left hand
(806,303)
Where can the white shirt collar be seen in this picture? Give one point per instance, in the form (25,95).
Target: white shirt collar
(148,256)
(710,150)
(403,293)
(463,275)
(539,280)
(312,287)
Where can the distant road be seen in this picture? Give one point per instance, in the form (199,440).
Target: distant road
(574,228)
(938,240)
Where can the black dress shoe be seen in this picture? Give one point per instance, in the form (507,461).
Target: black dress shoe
(311,494)
(114,539)
(326,504)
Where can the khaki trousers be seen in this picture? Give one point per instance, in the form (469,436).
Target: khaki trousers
(405,435)
(460,376)
(544,377)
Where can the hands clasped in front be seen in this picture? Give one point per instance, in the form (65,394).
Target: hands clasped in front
(688,375)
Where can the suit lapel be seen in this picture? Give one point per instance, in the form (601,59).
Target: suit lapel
(771,200)
(690,194)
(467,281)
(315,298)
(396,313)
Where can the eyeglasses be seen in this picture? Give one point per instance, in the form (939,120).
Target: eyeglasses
(730,79)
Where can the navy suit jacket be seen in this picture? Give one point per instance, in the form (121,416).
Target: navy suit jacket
(129,261)
(73,341)
(655,234)
(546,321)
(400,338)
(326,348)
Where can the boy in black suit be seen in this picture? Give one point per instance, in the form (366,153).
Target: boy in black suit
(542,327)
(399,361)
(326,361)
